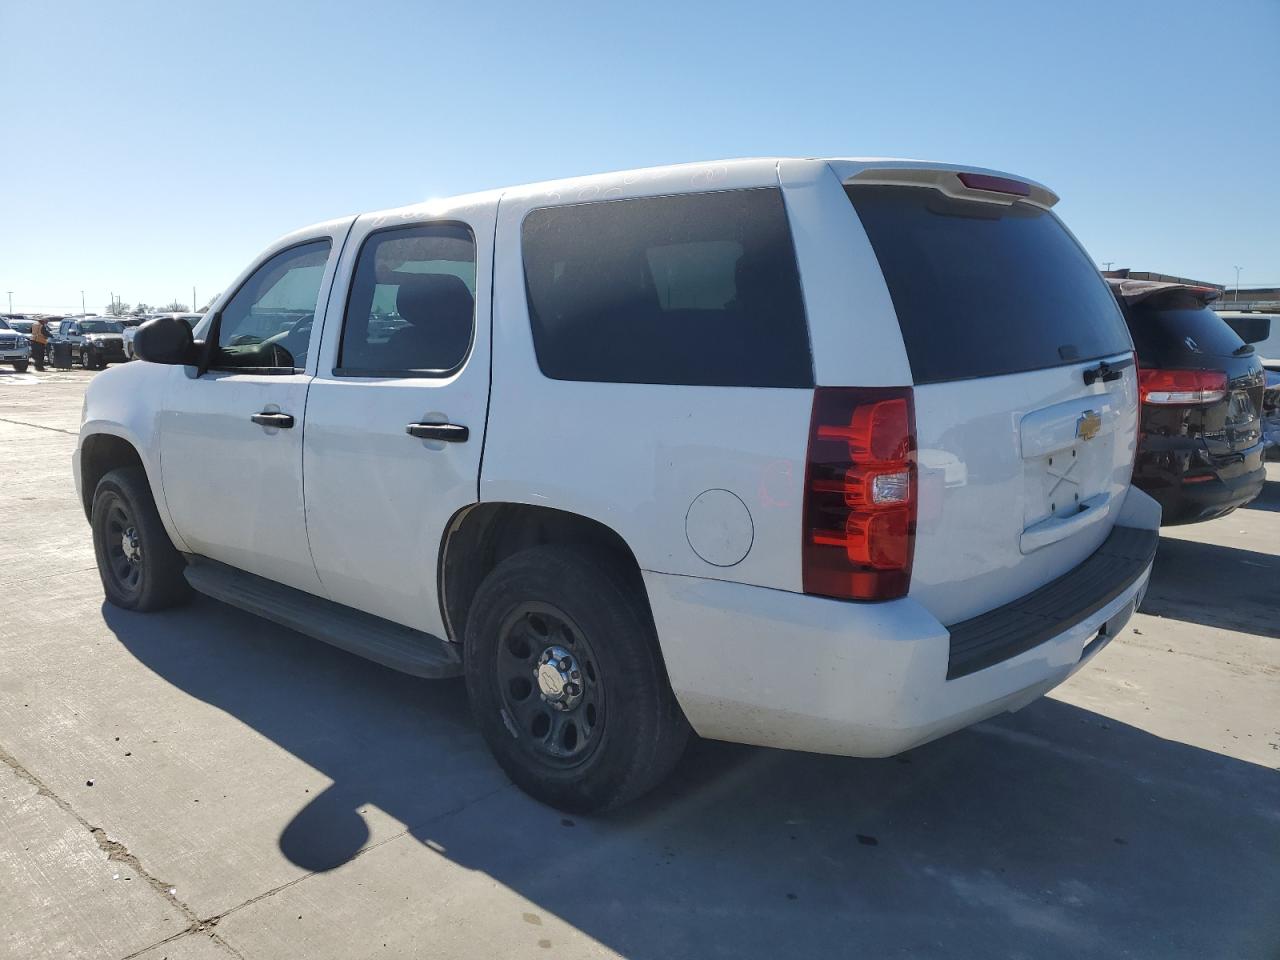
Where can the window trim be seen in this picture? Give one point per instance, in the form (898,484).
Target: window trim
(353,373)
(215,327)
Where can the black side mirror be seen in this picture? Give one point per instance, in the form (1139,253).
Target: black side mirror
(165,340)
(1252,329)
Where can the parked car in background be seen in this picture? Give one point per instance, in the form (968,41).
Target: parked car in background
(1200,448)
(1271,413)
(20,324)
(14,347)
(1260,329)
(131,325)
(702,401)
(95,341)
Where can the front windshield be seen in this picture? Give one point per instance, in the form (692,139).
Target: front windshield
(101,326)
(22,326)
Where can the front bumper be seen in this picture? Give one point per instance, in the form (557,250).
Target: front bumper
(780,669)
(9,356)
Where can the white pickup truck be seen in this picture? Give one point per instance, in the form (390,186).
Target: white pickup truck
(831,455)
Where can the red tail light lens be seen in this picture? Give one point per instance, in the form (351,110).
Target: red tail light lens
(1181,387)
(860,493)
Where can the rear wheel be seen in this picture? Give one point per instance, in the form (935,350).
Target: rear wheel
(566,680)
(140,567)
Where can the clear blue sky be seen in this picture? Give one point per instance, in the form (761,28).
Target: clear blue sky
(147,147)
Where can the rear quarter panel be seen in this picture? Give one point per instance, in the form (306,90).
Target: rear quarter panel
(635,456)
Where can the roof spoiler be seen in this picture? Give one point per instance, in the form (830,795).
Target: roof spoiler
(1135,291)
(961,184)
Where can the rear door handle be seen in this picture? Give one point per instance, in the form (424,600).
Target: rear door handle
(1106,372)
(449,432)
(282,420)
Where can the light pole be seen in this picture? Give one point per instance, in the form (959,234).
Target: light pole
(82,309)
(1106,264)
(10,292)
(1238,269)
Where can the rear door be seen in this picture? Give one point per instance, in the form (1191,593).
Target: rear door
(396,415)
(1025,389)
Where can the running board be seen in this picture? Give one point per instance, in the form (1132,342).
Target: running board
(390,644)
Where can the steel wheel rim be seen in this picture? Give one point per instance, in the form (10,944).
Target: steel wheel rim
(560,733)
(123,547)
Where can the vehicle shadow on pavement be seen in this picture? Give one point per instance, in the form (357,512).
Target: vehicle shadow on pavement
(1268,499)
(1056,832)
(1216,586)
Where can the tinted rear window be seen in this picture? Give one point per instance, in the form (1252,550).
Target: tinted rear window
(1175,324)
(690,289)
(982,289)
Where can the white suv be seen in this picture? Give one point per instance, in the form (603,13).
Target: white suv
(829,455)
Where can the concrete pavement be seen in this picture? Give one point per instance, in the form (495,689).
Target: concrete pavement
(257,794)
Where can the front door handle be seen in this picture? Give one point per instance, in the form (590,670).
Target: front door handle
(449,432)
(282,420)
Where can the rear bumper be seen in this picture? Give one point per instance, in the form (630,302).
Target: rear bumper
(1204,500)
(782,669)
(1190,485)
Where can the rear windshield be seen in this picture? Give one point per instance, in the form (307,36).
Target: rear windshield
(690,289)
(1174,322)
(982,289)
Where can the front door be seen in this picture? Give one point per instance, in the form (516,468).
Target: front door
(396,414)
(231,439)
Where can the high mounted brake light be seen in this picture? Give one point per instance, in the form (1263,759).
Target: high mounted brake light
(860,493)
(985,181)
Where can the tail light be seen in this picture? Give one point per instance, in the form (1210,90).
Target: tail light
(860,493)
(1181,387)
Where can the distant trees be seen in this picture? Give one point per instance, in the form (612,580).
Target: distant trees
(141,310)
(176,307)
(117,309)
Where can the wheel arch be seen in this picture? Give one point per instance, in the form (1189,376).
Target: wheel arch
(482,535)
(100,453)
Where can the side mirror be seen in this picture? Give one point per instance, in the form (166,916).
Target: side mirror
(165,340)
(1252,329)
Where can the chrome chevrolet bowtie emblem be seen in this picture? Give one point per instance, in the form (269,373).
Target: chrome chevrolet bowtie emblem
(1088,425)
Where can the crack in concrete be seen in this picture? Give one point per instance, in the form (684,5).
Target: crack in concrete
(40,426)
(117,852)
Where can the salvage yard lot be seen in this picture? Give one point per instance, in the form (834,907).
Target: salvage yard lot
(202,784)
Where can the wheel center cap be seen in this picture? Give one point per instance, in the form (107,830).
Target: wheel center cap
(129,544)
(559,679)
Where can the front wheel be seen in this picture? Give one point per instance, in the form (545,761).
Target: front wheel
(139,565)
(566,680)
(21,365)
(84,360)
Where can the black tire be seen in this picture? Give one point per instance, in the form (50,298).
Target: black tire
(21,365)
(632,731)
(125,524)
(84,360)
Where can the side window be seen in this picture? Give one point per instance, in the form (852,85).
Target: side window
(411,307)
(268,323)
(697,289)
